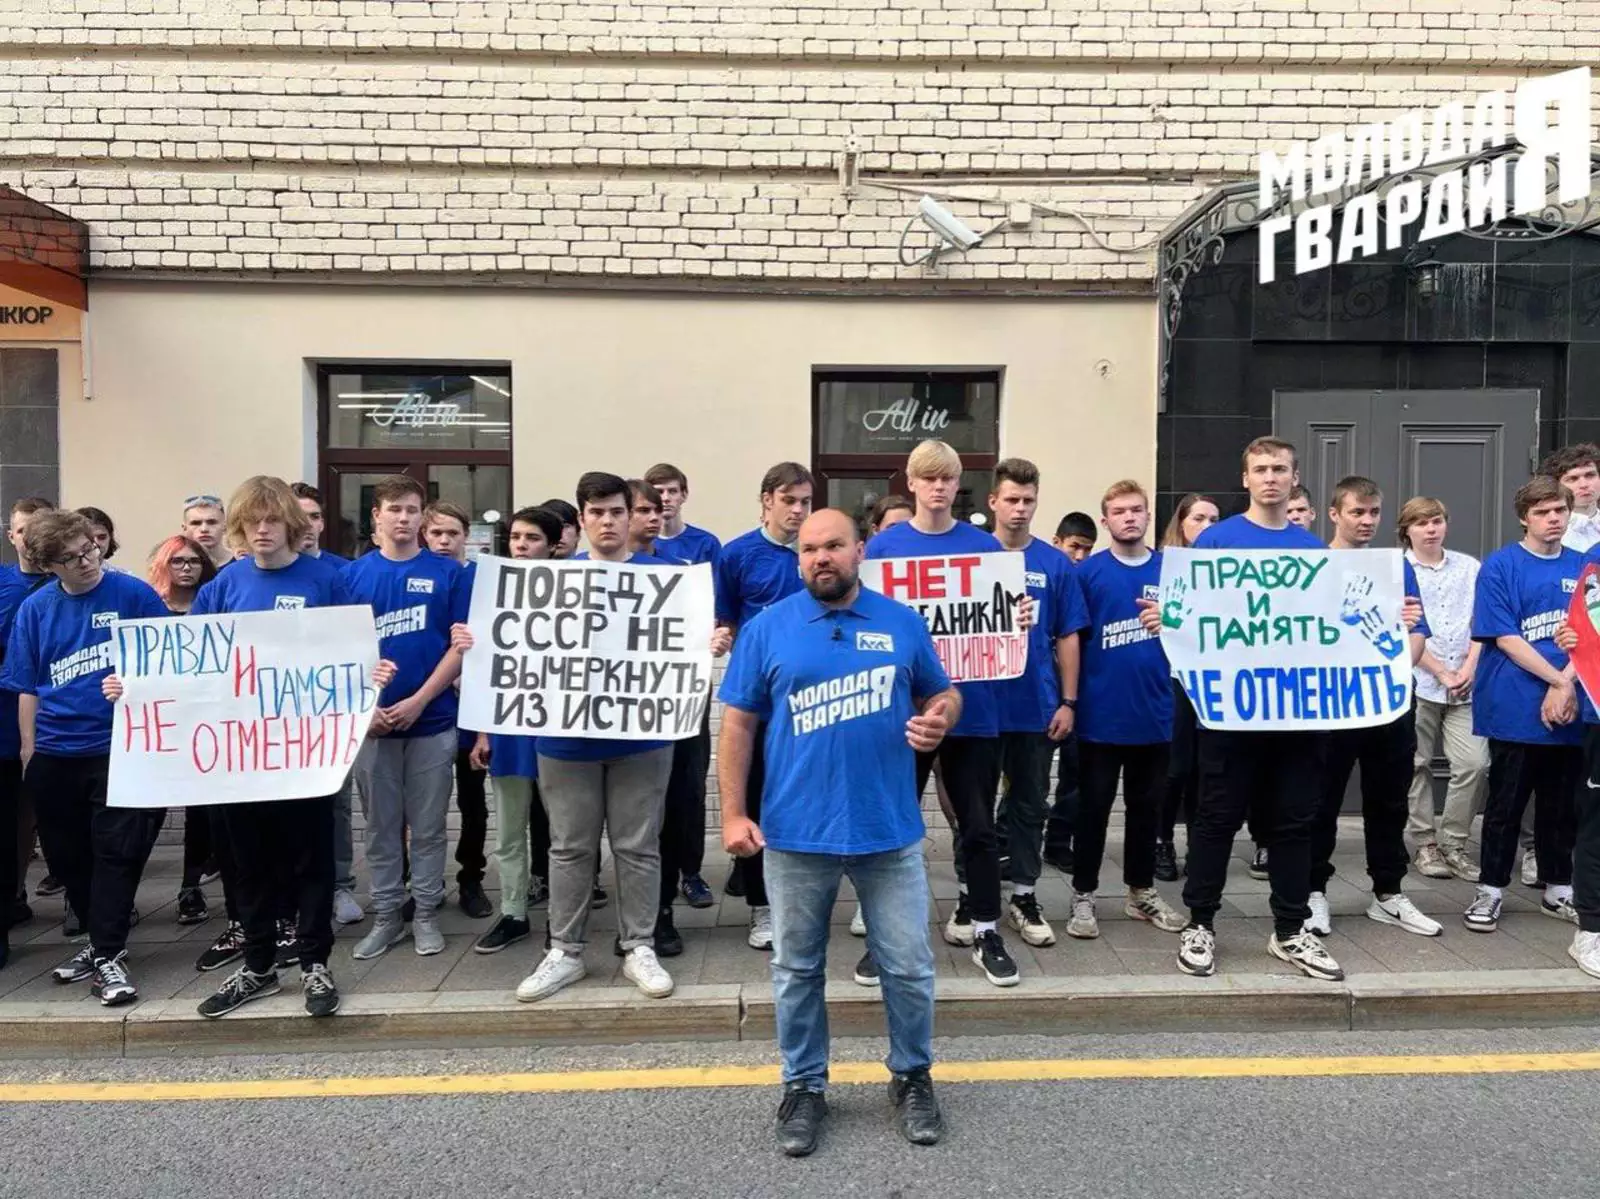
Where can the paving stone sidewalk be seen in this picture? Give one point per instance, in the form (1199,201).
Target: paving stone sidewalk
(162,952)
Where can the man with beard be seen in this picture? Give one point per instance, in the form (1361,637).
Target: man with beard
(845,688)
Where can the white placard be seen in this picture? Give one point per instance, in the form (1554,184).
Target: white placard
(970,603)
(619,650)
(241,707)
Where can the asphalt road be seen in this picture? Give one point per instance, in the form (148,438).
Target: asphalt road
(1482,1134)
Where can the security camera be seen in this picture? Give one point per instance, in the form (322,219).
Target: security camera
(950,228)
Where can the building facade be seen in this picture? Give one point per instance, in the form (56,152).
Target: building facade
(494,244)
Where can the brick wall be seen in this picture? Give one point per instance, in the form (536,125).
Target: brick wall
(698,141)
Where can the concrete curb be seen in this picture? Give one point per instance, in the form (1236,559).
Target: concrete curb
(735,1012)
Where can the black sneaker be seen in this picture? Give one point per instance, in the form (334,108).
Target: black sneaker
(989,952)
(76,968)
(507,930)
(192,907)
(538,891)
(958,929)
(1258,862)
(229,947)
(111,985)
(474,902)
(912,1094)
(238,989)
(867,970)
(669,941)
(1167,862)
(288,945)
(696,893)
(735,884)
(599,898)
(316,984)
(48,885)
(800,1119)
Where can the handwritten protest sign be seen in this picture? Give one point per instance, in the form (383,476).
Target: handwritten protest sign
(1584,617)
(242,707)
(588,649)
(970,604)
(1270,640)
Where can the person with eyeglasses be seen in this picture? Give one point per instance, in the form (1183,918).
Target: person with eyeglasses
(203,521)
(178,569)
(58,653)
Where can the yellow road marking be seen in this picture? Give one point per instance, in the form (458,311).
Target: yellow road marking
(674,1078)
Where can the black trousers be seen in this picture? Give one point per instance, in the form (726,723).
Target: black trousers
(473,805)
(1143,771)
(1550,774)
(1586,841)
(206,840)
(754,869)
(283,862)
(1060,828)
(97,853)
(1385,754)
(683,818)
(971,769)
(10,883)
(1283,773)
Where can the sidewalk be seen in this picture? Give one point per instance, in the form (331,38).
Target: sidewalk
(1124,981)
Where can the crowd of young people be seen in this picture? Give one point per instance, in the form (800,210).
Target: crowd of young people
(1494,690)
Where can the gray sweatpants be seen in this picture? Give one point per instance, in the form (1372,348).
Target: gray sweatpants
(624,797)
(405,783)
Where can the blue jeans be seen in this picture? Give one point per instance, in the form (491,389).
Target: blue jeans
(893,890)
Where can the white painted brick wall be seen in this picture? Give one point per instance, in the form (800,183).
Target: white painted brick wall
(697,140)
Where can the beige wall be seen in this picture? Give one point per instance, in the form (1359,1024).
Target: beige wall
(196,386)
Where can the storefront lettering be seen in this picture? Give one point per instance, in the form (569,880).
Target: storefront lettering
(25,314)
(906,416)
(417,411)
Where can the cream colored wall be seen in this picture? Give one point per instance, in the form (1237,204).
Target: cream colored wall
(196,386)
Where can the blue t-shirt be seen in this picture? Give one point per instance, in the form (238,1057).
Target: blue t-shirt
(1520,594)
(15,587)
(60,649)
(1414,589)
(414,604)
(513,756)
(599,749)
(835,688)
(1028,703)
(980,711)
(1241,533)
(688,548)
(752,573)
(1124,683)
(304,583)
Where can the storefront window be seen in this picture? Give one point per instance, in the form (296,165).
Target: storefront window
(448,428)
(865,423)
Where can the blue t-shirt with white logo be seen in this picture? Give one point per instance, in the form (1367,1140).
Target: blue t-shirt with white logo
(689,548)
(1241,533)
(414,603)
(599,749)
(835,688)
(304,583)
(1124,682)
(980,711)
(15,586)
(1520,594)
(752,573)
(1029,702)
(60,649)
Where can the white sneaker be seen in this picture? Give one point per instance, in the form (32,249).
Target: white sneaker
(1197,951)
(1145,903)
(1398,909)
(644,968)
(387,931)
(858,923)
(1082,923)
(760,928)
(1530,869)
(557,971)
(1430,861)
(1305,952)
(1585,950)
(346,910)
(426,935)
(1023,914)
(1320,921)
(1460,864)
(1560,909)
(1483,913)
